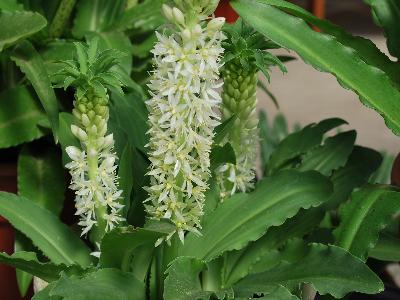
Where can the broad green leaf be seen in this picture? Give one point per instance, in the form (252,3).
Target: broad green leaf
(131,114)
(65,135)
(246,217)
(18,25)
(183,282)
(41,177)
(387,15)
(331,155)
(365,48)
(20,115)
(364,216)
(221,155)
(96,16)
(330,269)
(51,236)
(362,163)
(222,130)
(275,292)
(326,54)
(28,262)
(32,65)
(11,5)
(118,245)
(387,248)
(103,284)
(300,142)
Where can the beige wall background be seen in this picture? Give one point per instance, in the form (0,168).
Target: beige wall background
(306,95)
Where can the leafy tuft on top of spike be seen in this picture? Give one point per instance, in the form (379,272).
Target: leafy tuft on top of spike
(91,70)
(247,47)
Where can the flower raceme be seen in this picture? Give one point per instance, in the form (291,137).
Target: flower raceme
(182,115)
(92,166)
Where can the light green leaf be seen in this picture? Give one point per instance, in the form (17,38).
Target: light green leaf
(364,216)
(182,282)
(32,65)
(103,284)
(18,25)
(246,217)
(365,48)
(118,245)
(387,248)
(300,142)
(331,155)
(330,269)
(41,178)
(19,116)
(387,15)
(326,54)
(28,262)
(51,236)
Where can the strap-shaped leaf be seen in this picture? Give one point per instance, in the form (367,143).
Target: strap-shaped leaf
(364,216)
(330,269)
(118,245)
(41,178)
(32,65)
(51,236)
(245,217)
(300,142)
(365,48)
(28,262)
(20,115)
(387,15)
(103,284)
(331,155)
(326,54)
(18,25)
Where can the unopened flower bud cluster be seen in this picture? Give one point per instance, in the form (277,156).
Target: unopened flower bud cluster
(182,117)
(93,168)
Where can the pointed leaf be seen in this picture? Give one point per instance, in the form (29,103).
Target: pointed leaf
(245,217)
(51,236)
(326,54)
(364,216)
(330,269)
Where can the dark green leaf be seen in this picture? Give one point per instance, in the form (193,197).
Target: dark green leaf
(222,130)
(331,155)
(18,25)
(19,117)
(28,262)
(387,248)
(65,135)
(51,236)
(32,65)
(104,284)
(118,245)
(221,155)
(364,216)
(245,217)
(276,292)
(125,175)
(330,269)
(300,142)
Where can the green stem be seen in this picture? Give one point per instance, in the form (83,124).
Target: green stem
(100,210)
(61,17)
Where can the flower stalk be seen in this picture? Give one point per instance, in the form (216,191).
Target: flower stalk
(92,166)
(183,113)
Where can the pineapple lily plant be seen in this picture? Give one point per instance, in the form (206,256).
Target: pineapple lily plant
(161,154)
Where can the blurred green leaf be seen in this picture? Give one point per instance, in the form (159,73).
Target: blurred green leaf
(387,248)
(19,117)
